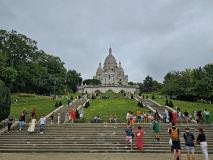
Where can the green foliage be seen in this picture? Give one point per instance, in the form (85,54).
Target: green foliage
(170,103)
(86,105)
(5,102)
(77,114)
(132,96)
(141,105)
(93,96)
(79,97)
(71,97)
(60,103)
(148,84)
(138,103)
(86,92)
(167,103)
(140,94)
(56,104)
(124,94)
(91,82)
(147,97)
(96,94)
(153,97)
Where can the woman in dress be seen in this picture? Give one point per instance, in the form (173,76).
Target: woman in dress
(201,139)
(73,117)
(139,139)
(156,129)
(31,128)
(174,117)
(66,117)
(150,117)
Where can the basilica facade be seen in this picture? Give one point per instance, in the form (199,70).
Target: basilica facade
(111,73)
(112,77)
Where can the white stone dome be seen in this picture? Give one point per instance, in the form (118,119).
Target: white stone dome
(120,69)
(100,70)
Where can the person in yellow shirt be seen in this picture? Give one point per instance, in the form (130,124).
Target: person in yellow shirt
(139,115)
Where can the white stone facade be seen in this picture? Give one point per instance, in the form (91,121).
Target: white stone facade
(111,74)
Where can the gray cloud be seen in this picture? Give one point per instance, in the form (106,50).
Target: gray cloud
(148,37)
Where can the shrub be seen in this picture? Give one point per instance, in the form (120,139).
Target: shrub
(170,103)
(141,104)
(143,96)
(71,97)
(153,97)
(138,104)
(140,94)
(96,94)
(60,103)
(56,104)
(79,97)
(5,102)
(88,103)
(131,96)
(167,103)
(147,97)
(86,92)
(124,94)
(77,114)
(82,93)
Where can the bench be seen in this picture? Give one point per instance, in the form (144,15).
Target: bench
(99,121)
(118,120)
(83,120)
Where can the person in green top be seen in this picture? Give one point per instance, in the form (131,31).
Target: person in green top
(206,115)
(156,129)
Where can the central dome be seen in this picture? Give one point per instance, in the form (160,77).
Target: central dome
(110,59)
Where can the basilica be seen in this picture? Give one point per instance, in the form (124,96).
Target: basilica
(112,77)
(111,73)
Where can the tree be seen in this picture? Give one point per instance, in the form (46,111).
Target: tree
(56,104)
(77,114)
(91,82)
(167,103)
(60,103)
(170,103)
(153,97)
(5,102)
(148,84)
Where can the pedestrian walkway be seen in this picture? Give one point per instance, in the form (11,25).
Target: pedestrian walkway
(94,156)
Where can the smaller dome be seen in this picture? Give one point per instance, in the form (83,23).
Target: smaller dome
(120,69)
(100,70)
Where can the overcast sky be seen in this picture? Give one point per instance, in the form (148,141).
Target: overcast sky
(148,37)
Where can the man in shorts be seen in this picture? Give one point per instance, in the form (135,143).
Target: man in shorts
(174,132)
(189,142)
(128,136)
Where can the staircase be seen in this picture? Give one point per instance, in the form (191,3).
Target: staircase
(91,138)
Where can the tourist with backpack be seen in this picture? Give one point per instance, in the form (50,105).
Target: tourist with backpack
(189,142)
(128,136)
(174,133)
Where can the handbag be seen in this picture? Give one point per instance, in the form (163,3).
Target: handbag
(132,135)
(170,141)
(197,141)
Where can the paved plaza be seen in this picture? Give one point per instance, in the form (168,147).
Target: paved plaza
(93,156)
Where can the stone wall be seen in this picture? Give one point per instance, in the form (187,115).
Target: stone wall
(104,89)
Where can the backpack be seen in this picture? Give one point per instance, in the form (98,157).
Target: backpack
(174,134)
(188,139)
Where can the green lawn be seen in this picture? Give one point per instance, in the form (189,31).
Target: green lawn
(43,105)
(189,106)
(105,108)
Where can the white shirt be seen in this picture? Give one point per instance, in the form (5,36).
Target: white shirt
(42,120)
